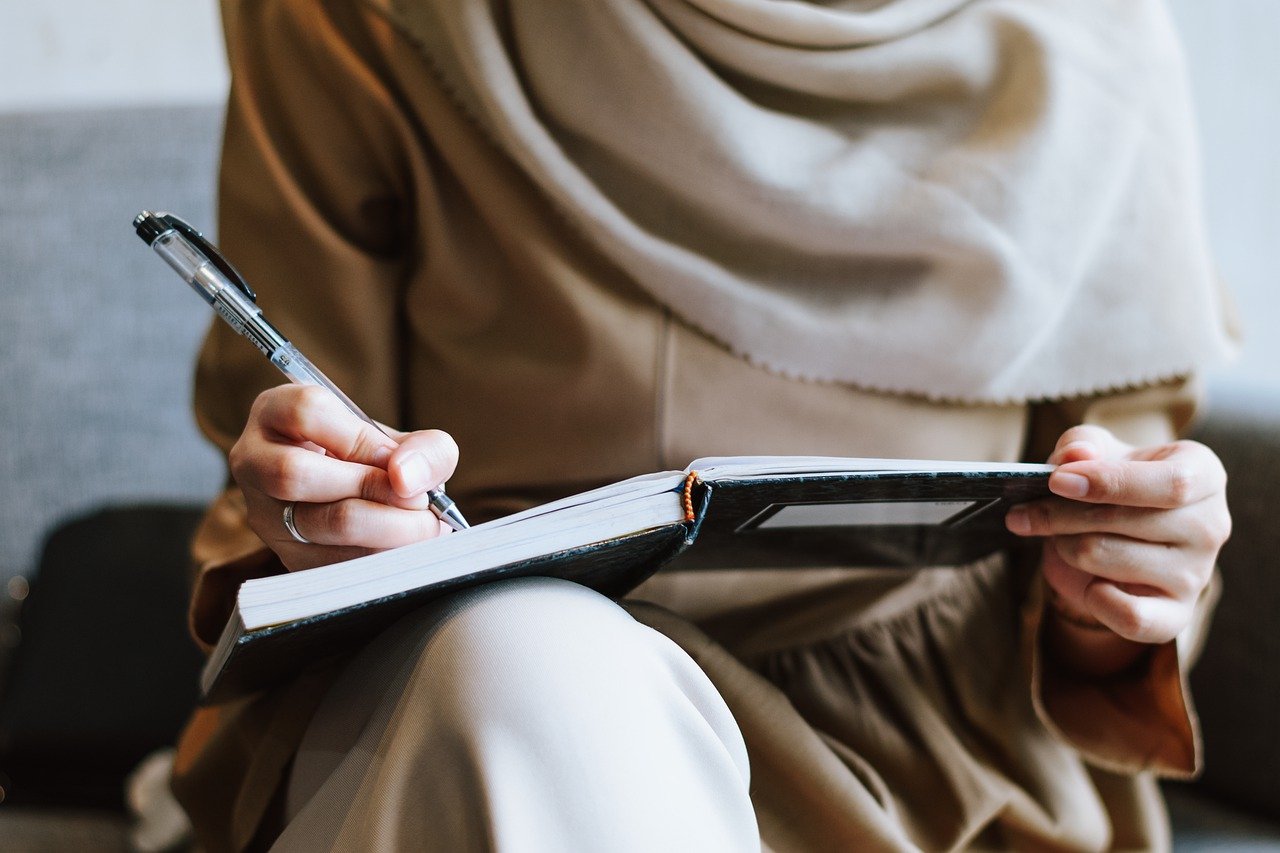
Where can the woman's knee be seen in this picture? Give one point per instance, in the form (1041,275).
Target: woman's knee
(545,676)
(533,657)
(547,710)
(536,634)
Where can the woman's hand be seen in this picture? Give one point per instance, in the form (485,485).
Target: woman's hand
(1130,543)
(355,491)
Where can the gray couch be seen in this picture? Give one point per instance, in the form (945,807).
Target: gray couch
(96,343)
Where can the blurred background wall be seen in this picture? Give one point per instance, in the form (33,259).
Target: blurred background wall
(90,53)
(1235,72)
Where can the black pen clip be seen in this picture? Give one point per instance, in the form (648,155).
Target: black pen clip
(211,252)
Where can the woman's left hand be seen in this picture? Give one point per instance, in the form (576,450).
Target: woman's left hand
(1132,538)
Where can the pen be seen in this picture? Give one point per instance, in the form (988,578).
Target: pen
(203,267)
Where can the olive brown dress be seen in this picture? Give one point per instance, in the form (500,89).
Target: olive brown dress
(879,709)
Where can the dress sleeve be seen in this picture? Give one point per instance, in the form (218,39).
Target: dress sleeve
(1142,719)
(312,212)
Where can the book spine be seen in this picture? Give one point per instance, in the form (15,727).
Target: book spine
(697,498)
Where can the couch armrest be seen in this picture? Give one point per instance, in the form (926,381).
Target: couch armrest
(1236,683)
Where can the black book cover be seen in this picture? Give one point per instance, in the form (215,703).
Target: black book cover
(958,518)
(263,656)
(880,518)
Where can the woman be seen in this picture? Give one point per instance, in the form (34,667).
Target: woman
(596,239)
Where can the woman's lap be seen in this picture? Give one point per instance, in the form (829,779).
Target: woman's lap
(531,709)
(528,714)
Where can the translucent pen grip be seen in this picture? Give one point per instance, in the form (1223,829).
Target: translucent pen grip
(301,371)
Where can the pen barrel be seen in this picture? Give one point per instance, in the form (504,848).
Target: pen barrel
(301,371)
(188,262)
(236,305)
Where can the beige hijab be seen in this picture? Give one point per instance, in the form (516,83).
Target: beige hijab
(985,201)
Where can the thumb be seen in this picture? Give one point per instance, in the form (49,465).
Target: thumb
(423,461)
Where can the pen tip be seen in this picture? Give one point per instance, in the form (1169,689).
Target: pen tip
(451,515)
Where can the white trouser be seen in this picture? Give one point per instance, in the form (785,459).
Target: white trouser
(529,714)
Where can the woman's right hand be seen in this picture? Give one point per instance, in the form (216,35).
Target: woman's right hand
(354,490)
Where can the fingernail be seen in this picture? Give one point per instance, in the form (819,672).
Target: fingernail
(1068,485)
(1082,445)
(381,456)
(1018,520)
(416,473)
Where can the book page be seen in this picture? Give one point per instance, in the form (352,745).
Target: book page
(747,467)
(619,509)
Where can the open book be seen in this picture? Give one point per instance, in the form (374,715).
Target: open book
(722,512)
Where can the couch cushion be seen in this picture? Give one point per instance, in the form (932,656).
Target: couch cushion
(1236,683)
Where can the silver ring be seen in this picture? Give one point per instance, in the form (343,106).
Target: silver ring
(290,526)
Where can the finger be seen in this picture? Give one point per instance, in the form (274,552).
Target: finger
(1141,618)
(290,473)
(1201,527)
(266,520)
(355,523)
(1176,481)
(1140,566)
(307,413)
(1067,581)
(423,461)
(1087,441)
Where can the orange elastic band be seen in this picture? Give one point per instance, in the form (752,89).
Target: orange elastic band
(688,496)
